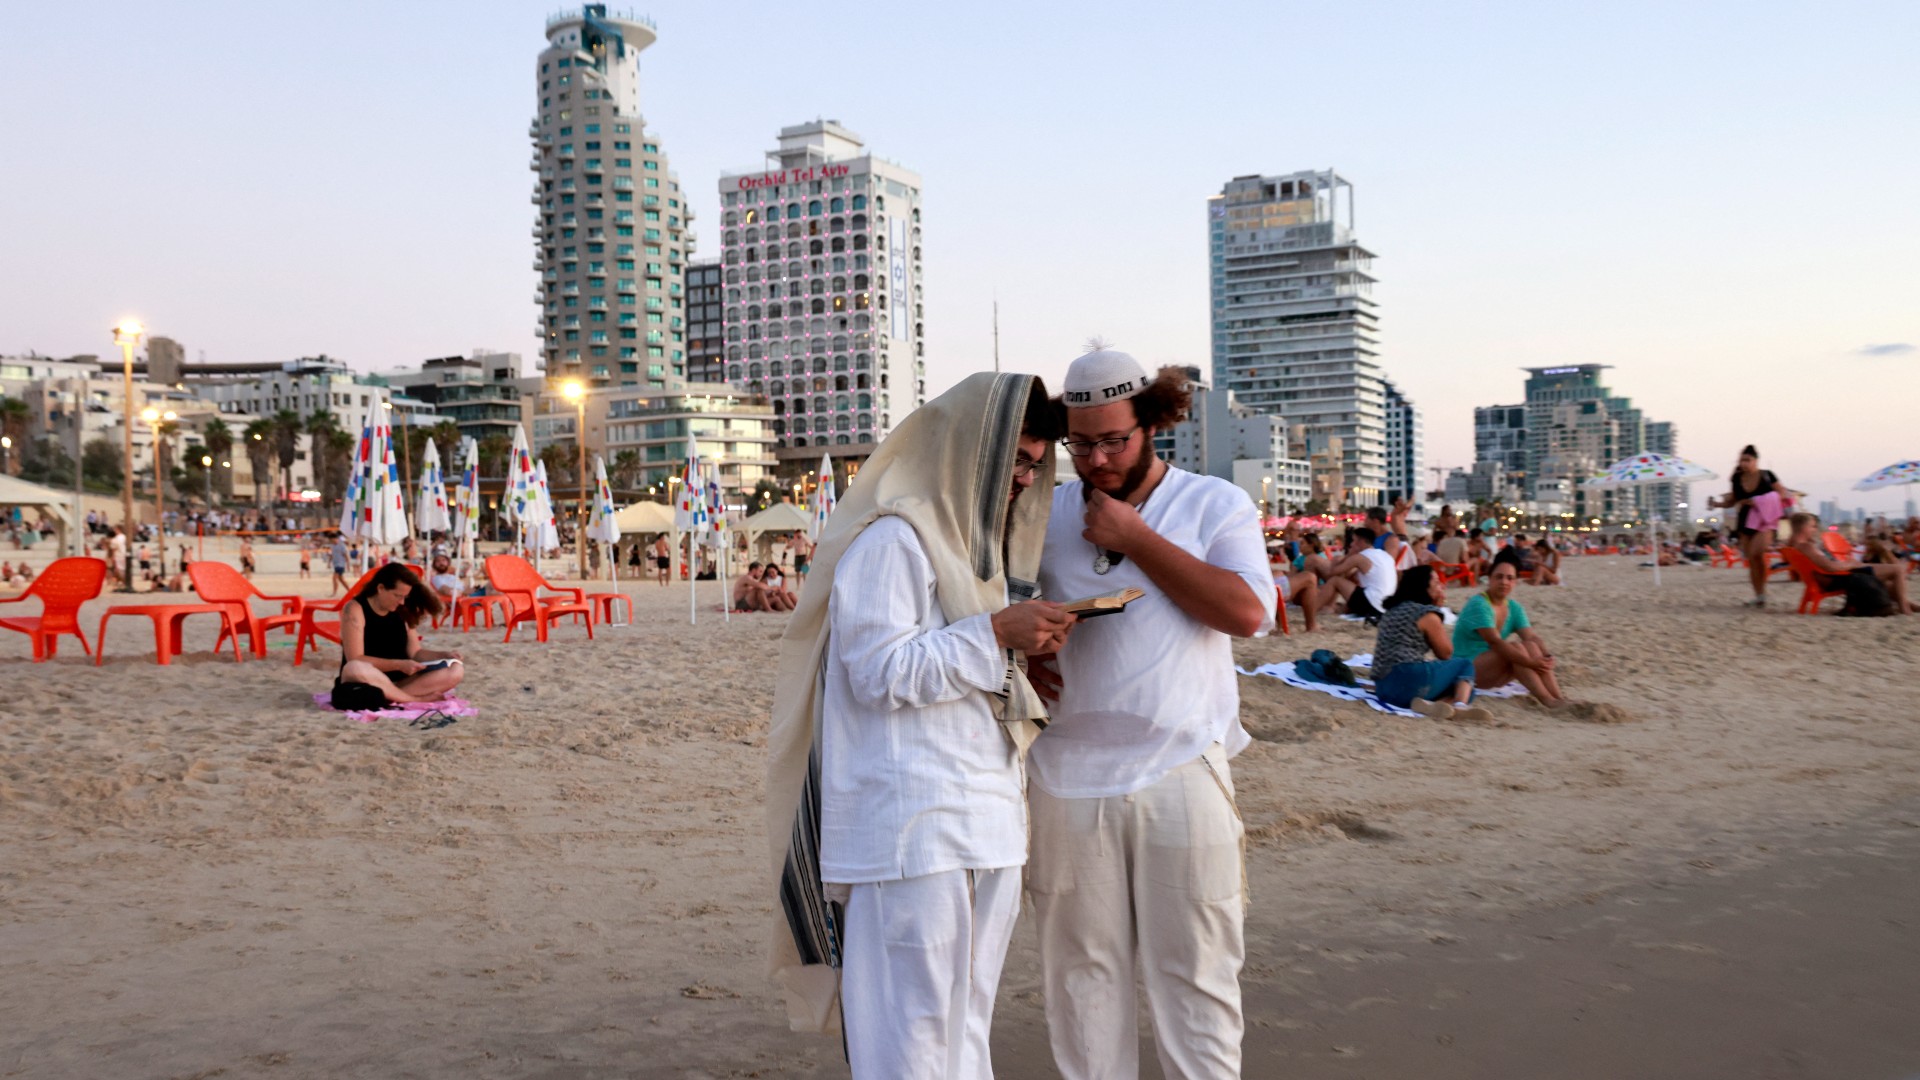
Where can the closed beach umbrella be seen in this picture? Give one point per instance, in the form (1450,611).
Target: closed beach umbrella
(601,524)
(431,514)
(824,499)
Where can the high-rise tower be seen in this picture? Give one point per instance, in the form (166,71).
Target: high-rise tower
(614,231)
(821,258)
(1293,315)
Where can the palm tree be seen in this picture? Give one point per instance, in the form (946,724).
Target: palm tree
(558,458)
(626,469)
(494,451)
(258,435)
(287,429)
(217,437)
(14,417)
(163,453)
(320,428)
(336,450)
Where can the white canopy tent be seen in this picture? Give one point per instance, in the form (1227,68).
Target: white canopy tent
(645,517)
(58,505)
(781,517)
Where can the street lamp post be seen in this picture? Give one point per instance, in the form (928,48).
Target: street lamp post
(154,418)
(576,391)
(206,466)
(6,453)
(127,335)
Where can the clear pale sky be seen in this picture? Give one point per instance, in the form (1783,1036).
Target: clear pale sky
(1720,199)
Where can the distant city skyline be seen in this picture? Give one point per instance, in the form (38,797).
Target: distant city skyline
(1715,199)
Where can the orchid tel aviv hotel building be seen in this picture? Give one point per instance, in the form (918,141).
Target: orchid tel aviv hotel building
(821,289)
(613,231)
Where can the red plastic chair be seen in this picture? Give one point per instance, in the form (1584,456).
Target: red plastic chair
(1837,546)
(1810,576)
(1451,573)
(516,579)
(62,587)
(218,583)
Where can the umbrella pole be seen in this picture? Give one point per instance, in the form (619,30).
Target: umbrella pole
(722,576)
(1653,543)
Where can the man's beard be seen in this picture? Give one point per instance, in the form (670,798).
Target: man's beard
(1133,479)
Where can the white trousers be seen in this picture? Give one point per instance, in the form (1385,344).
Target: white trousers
(921,964)
(1150,883)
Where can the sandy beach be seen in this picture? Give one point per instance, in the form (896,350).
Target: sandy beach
(1713,861)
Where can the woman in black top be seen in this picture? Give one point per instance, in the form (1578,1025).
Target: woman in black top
(1750,481)
(381,660)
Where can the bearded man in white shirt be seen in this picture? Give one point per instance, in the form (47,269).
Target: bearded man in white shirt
(1136,862)
(899,855)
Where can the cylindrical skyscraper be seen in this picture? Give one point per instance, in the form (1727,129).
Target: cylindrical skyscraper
(613,231)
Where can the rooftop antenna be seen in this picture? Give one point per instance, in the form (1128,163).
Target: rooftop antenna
(996,335)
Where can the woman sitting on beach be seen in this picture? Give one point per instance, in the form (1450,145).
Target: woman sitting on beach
(1482,635)
(1833,572)
(381,658)
(1415,623)
(1546,563)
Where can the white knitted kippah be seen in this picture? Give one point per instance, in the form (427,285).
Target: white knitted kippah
(1102,377)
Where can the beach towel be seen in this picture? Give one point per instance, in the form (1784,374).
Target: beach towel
(406,711)
(1764,511)
(1364,692)
(946,470)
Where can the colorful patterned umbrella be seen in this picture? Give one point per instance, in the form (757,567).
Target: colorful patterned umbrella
(1644,469)
(431,514)
(1650,469)
(1904,472)
(824,499)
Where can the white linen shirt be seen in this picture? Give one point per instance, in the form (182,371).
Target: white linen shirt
(1146,690)
(916,775)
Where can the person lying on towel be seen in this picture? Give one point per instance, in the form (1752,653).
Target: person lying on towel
(381,658)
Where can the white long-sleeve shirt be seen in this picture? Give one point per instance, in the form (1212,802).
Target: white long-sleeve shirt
(916,775)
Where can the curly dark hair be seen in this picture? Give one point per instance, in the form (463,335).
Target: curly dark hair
(1166,401)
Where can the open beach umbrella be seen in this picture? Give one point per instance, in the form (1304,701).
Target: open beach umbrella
(1901,472)
(824,499)
(431,513)
(1641,470)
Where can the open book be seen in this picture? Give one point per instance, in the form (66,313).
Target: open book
(1104,604)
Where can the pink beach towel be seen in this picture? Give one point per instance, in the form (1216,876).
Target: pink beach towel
(452,706)
(1764,511)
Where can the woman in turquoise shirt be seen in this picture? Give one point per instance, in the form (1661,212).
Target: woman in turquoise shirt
(1494,633)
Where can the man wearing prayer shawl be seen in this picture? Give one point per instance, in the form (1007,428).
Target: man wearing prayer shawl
(896,810)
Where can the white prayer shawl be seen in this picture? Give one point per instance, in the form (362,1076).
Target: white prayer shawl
(947,470)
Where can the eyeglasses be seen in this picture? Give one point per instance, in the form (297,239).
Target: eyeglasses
(1023,467)
(1109,447)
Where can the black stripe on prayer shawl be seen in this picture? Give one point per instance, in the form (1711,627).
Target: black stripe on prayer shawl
(814,921)
(999,442)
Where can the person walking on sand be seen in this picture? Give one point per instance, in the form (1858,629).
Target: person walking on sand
(1131,790)
(898,825)
(1759,499)
(337,558)
(662,558)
